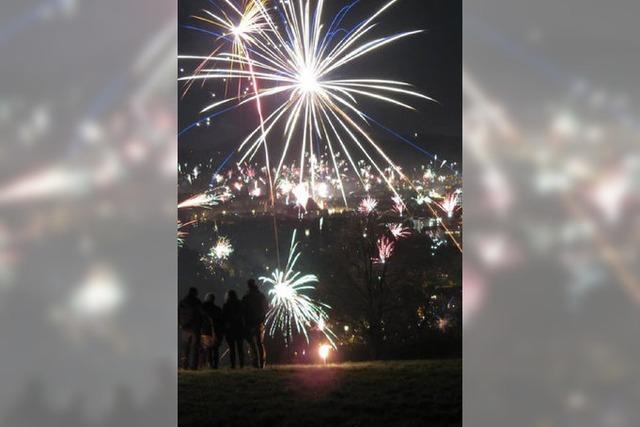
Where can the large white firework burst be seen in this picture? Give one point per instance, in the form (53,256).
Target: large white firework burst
(291,307)
(297,63)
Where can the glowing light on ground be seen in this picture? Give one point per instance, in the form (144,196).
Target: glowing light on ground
(324,351)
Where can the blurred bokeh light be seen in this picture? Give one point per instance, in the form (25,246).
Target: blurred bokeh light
(87,195)
(551,172)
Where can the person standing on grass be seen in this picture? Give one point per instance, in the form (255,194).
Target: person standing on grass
(213,329)
(190,317)
(255,307)
(234,327)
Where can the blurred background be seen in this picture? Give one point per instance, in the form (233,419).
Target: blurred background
(88,191)
(551,173)
(87,212)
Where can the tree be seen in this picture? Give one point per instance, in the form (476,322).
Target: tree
(365,292)
(384,298)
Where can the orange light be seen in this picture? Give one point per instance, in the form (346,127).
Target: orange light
(323,350)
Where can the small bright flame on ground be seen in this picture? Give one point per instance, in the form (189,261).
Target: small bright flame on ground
(323,351)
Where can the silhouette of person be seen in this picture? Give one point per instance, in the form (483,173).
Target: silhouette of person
(234,327)
(255,307)
(190,317)
(213,329)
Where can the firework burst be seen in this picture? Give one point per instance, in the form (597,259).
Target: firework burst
(368,205)
(301,193)
(301,59)
(182,234)
(450,203)
(422,199)
(398,231)
(236,24)
(398,205)
(291,307)
(285,187)
(386,247)
(218,254)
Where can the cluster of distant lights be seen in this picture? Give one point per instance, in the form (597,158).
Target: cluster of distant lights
(368,205)
(252,181)
(435,245)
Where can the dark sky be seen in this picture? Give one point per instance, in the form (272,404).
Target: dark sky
(432,61)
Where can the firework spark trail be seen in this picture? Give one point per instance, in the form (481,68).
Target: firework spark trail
(182,234)
(450,203)
(208,199)
(290,306)
(266,155)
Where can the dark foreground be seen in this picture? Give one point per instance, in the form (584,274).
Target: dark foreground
(411,393)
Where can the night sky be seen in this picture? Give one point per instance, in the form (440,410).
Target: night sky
(432,61)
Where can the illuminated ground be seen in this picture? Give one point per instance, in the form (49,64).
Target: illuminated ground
(419,393)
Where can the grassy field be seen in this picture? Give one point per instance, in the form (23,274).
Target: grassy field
(408,393)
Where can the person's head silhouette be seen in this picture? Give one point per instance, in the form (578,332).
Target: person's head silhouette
(251,284)
(231,296)
(193,291)
(210,297)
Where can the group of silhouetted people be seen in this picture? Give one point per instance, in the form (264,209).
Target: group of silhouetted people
(204,326)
